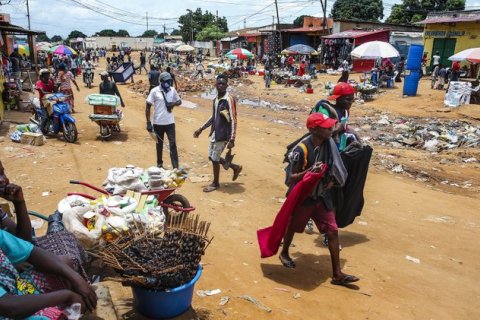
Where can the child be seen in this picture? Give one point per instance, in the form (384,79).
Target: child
(268,78)
(309,89)
(435,75)
(442,75)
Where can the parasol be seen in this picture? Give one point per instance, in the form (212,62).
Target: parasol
(471,55)
(184,48)
(22,49)
(300,49)
(375,49)
(63,49)
(239,53)
(43,46)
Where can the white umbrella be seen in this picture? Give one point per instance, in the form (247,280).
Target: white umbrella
(472,55)
(375,49)
(184,48)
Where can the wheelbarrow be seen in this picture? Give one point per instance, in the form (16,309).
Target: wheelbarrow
(173,204)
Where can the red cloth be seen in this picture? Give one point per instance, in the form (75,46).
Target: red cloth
(456,66)
(301,70)
(47,88)
(269,238)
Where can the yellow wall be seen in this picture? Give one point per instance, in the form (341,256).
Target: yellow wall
(470,39)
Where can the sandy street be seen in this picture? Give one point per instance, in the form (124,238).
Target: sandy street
(414,247)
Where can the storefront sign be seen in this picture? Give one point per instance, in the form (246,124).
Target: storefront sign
(444,34)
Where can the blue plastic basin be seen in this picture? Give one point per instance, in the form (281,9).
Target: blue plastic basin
(159,304)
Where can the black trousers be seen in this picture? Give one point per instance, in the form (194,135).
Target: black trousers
(160,131)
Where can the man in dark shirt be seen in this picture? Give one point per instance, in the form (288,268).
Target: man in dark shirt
(223,123)
(174,80)
(153,77)
(109,87)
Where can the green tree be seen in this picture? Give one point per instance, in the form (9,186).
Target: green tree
(56,38)
(106,33)
(42,37)
(298,22)
(76,34)
(368,10)
(176,32)
(123,33)
(149,34)
(194,22)
(410,11)
(209,33)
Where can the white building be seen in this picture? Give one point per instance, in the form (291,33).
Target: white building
(113,43)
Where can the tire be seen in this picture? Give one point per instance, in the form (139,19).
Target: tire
(105,132)
(70,132)
(176,200)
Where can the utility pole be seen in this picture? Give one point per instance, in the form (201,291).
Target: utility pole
(147,20)
(164,32)
(191,27)
(276,8)
(28,15)
(244,23)
(324,22)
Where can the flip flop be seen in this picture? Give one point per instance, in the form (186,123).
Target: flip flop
(236,173)
(346,279)
(210,188)
(287,263)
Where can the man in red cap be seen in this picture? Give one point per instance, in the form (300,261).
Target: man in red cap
(343,94)
(311,154)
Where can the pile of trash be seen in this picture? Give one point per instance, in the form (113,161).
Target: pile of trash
(187,84)
(431,134)
(140,87)
(28,134)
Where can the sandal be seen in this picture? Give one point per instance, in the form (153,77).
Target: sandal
(344,280)
(210,188)
(236,173)
(287,262)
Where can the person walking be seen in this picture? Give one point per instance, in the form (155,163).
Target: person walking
(153,77)
(143,61)
(163,98)
(223,127)
(109,87)
(199,67)
(317,154)
(65,78)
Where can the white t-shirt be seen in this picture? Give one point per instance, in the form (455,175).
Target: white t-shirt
(160,114)
(436,60)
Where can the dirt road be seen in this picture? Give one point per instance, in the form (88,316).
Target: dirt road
(413,247)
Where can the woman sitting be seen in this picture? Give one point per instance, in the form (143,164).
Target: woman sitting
(38,290)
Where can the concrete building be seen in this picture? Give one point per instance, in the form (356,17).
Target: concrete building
(450,32)
(114,43)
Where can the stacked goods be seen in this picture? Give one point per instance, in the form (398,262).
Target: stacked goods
(159,260)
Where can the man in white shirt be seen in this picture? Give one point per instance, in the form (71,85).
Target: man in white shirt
(436,59)
(199,67)
(163,98)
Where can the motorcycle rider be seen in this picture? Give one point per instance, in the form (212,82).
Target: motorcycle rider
(45,88)
(87,65)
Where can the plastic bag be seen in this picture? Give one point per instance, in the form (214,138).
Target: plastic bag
(74,312)
(120,206)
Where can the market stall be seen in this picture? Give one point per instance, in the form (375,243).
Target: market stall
(337,47)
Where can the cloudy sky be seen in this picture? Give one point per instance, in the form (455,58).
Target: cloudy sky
(89,16)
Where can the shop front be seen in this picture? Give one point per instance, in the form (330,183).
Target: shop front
(449,33)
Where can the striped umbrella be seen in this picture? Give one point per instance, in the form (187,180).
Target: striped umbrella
(300,49)
(239,53)
(63,49)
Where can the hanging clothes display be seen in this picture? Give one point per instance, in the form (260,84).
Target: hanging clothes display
(334,51)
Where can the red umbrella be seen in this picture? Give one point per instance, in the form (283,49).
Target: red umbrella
(239,53)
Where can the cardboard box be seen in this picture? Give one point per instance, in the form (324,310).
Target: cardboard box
(33,139)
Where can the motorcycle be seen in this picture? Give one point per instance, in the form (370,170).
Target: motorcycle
(62,120)
(88,77)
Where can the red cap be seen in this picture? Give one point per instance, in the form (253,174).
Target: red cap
(341,89)
(320,120)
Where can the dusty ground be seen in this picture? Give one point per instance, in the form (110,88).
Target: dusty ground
(404,215)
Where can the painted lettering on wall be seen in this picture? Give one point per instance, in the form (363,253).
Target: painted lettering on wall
(444,34)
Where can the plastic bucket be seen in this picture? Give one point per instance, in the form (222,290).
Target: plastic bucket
(414,58)
(410,84)
(164,304)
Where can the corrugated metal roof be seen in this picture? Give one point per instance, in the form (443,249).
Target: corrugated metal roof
(451,16)
(354,34)
(229,39)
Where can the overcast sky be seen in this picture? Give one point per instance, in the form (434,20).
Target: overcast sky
(62,16)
